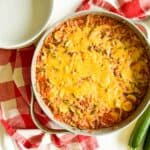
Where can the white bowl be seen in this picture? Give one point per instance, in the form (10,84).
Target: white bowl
(22,21)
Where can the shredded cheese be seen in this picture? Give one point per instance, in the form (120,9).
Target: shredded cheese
(92,70)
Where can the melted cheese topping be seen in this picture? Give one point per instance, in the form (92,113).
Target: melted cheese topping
(85,74)
(91,64)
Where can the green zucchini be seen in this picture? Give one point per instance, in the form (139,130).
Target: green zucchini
(147,141)
(139,132)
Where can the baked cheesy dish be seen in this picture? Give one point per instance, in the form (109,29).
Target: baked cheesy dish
(92,72)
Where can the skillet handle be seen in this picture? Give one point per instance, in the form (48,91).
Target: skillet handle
(38,124)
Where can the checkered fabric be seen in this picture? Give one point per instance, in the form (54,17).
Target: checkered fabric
(134,9)
(15,91)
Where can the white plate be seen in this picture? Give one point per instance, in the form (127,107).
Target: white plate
(22,21)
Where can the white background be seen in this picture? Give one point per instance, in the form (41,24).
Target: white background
(114,141)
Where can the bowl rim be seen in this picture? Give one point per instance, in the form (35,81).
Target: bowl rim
(31,40)
(102,131)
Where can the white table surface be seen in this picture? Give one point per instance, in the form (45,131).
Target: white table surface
(114,141)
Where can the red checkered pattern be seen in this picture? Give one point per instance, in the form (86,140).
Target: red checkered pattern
(134,9)
(15,91)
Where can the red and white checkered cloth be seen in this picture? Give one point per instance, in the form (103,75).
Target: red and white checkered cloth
(134,9)
(15,91)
